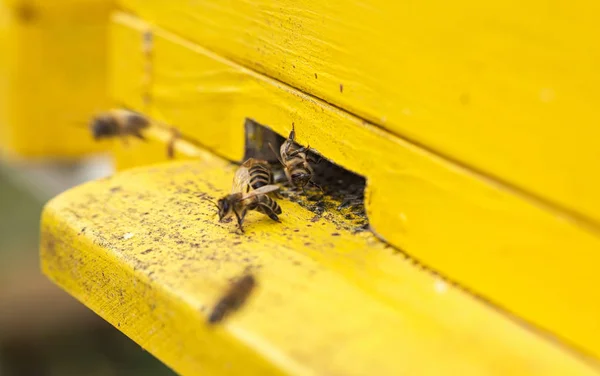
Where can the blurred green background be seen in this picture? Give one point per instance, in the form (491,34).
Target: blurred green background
(44,331)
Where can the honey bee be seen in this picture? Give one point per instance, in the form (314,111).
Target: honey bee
(233,298)
(240,203)
(121,123)
(295,161)
(252,174)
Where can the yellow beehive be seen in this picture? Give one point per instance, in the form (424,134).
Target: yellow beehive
(53,75)
(526,239)
(505,87)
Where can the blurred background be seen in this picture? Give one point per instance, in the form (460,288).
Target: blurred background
(53,78)
(44,331)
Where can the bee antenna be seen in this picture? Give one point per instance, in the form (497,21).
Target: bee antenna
(276,154)
(316,185)
(211,201)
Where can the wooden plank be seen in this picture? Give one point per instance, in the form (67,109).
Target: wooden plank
(144,250)
(154,150)
(505,87)
(528,259)
(52,76)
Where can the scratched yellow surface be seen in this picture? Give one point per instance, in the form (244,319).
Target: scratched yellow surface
(144,250)
(527,258)
(53,74)
(508,87)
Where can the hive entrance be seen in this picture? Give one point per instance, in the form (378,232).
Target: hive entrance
(343,192)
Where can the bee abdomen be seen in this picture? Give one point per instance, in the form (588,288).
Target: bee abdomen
(260,176)
(272,204)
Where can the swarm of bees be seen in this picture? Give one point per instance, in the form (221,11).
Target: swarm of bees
(123,124)
(254,187)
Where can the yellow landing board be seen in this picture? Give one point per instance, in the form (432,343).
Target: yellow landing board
(507,87)
(144,250)
(525,257)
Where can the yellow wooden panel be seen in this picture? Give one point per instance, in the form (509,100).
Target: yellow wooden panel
(153,150)
(525,257)
(144,250)
(507,87)
(52,75)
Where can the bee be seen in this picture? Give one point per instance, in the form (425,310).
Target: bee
(240,203)
(295,161)
(252,174)
(233,298)
(121,123)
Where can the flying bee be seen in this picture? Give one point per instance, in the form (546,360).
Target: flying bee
(252,174)
(119,123)
(233,298)
(295,161)
(240,203)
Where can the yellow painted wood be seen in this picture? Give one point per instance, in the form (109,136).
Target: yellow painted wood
(508,87)
(144,250)
(527,258)
(153,150)
(53,72)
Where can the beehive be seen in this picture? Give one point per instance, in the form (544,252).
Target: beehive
(453,129)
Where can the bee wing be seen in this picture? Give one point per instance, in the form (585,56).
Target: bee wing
(254,161)
(241,180)
(260,191)
(249,162)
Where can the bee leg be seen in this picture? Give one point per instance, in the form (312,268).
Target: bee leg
(313,160)
(170,150)
(240,220)
(171,144)
(289,177)
(288,144)
(274,195)
(139,135)
(292,135)
(303,149)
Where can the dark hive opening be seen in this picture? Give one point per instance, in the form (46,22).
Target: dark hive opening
(342,192)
